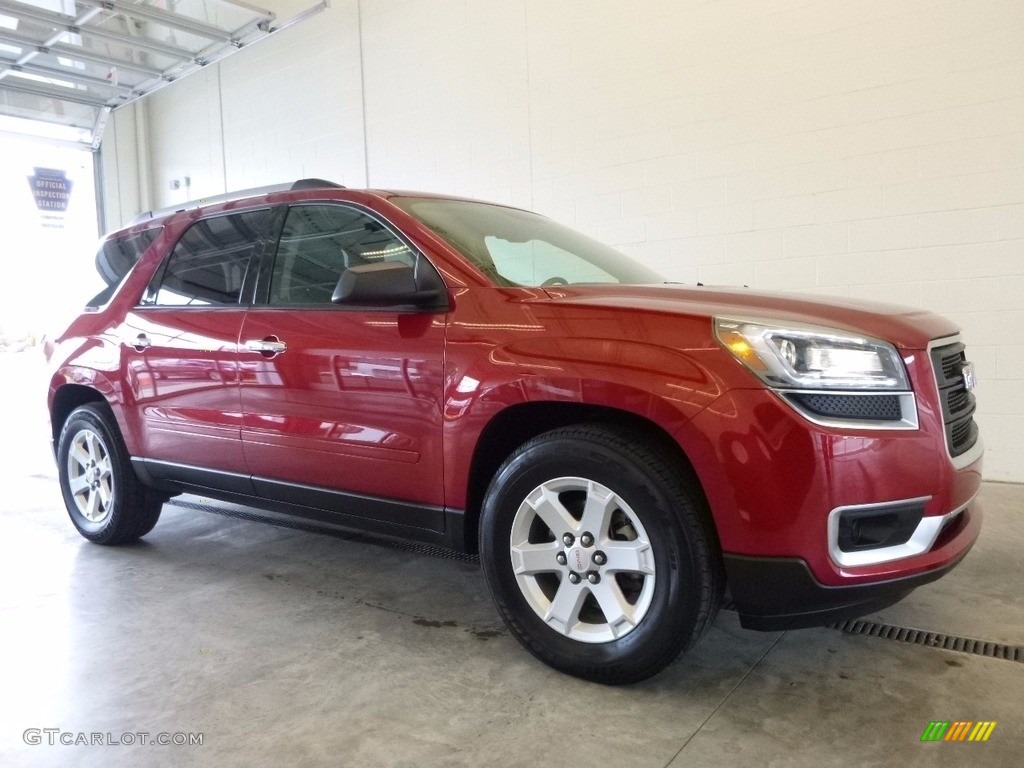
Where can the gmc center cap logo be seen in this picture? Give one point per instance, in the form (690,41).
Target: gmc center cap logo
(577,559)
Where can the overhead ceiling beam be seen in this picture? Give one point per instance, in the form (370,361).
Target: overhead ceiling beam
(70,75)
(46,139)
(27,56)
(75,52)
(75,26)
(157,16)
(211,44)
(72,95)
(269,15)
(170,51)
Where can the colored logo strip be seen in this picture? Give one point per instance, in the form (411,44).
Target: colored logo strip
(958,730)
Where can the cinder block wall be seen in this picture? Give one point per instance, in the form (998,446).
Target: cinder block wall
(871,149)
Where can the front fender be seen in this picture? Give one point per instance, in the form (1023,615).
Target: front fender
(665,386)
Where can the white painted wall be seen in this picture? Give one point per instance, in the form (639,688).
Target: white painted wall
(871,149)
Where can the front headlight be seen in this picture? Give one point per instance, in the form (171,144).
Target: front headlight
(794,356)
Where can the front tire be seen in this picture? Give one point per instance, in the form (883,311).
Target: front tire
(599,553)
(104,498)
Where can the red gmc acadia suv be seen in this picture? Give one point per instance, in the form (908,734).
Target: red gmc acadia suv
(617,449)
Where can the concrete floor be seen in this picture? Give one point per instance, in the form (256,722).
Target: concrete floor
(289,648)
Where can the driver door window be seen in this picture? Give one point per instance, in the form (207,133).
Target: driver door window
(318,243)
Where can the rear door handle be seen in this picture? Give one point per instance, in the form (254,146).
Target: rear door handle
(268,347)
(141,342)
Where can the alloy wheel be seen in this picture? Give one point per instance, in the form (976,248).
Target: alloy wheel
(90,477)
(582,559)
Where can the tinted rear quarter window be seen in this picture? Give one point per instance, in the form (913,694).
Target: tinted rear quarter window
(115,259)
(209,263)
(118,254)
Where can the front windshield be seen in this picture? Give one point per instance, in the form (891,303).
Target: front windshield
(518,248)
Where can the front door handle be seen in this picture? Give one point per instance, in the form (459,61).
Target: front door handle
(141,342)
(268,347)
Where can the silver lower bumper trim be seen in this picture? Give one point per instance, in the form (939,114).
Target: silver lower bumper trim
(920,541)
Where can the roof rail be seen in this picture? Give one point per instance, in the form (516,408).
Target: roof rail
(239,195)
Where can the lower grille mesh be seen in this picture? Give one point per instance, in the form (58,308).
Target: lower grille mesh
(859,407)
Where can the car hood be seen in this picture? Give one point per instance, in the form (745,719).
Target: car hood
(903,326)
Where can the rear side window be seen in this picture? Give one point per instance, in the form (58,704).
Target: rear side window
(319,242)
(209,263)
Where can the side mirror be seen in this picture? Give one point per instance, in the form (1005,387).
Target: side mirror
(389,283)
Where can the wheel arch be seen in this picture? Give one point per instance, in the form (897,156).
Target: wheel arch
(519,423)
(66,399)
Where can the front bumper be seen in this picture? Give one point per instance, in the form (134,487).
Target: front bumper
(776,593)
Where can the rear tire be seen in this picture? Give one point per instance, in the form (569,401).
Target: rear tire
(599,553)
(103,496)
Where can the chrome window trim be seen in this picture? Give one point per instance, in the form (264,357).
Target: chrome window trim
(920,541)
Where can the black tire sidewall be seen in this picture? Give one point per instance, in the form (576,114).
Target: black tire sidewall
(671,617)
(91,417)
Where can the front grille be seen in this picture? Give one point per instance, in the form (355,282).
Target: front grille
(961,432)
(958,404)
(951,363)
(858,407)
(959,400)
